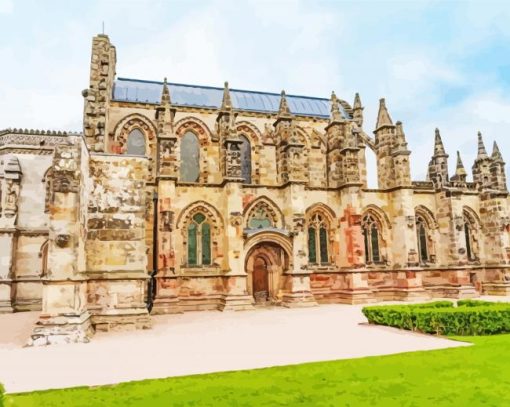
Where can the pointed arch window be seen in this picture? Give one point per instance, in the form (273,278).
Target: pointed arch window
(371,239)
(318,240)
(199,241)
(246,159)
(190,157)
(421,235)
(135,144)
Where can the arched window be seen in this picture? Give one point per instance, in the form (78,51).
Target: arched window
(371,239)
(467,235)
(246,160)
(199,241)
(135,144)
(190,157)
(318,240)
(421,235)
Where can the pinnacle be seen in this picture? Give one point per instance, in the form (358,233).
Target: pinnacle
(283,110)
(226,102)
(438,144)
(165,94)
(460,170)
(496,154)
(335,110)
(357,102)
(482,153)
(383,117)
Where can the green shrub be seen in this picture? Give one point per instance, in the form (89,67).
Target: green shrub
(447,320)
(1,395)
(475,303)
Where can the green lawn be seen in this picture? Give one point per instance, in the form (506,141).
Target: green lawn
(478,375)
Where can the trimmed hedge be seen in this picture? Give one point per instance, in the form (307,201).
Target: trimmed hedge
(476,303)
(470,318)
(1,395)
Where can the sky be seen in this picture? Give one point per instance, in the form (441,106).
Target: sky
(439,64)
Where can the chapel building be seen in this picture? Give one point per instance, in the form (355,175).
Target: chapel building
(181,197)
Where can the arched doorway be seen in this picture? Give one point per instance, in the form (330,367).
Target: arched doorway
(265,265)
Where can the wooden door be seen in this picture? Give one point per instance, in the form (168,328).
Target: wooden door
(260,281)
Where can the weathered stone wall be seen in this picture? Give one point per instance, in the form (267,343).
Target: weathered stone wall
(115,247)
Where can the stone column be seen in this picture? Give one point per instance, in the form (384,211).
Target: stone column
(408,283)
(7,243)
(355,289)
(167,282)
(235,294)
(495,219)
(297,291)
(64,317)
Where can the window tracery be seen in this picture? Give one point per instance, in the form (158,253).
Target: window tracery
(318,230)
(199,241)
(371,237)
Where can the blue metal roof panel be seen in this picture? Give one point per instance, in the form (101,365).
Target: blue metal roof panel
(131,90)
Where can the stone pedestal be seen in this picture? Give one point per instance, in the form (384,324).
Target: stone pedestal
(297,293)
(236,297)
(167,296)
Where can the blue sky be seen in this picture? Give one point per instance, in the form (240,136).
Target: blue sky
(438,64)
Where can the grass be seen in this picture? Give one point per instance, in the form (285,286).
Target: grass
(477,375)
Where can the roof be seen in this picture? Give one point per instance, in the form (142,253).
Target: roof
(134,90)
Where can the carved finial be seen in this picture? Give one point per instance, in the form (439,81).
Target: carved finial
(335,108)
(383,117)
(496,154)
(482,153)
(438,144)
(283,110)
(165,95)
(226,102)
(460,170)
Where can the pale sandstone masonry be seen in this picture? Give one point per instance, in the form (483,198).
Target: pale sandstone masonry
(177,198)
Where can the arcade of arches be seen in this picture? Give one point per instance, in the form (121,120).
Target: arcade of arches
(182,197)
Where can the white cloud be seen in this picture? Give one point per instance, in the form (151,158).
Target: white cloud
(6,6)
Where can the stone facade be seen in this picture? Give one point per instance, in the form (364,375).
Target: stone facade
(171,202)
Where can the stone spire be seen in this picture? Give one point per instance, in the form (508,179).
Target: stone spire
(438,165)
(482,153)
(496,154)
(438,144)
(357,111)
(460,170)
(226,102)
(283,110)
(383,117)
(165,94)
(335,109)
(400,137)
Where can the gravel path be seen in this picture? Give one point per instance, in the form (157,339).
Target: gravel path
(199,342)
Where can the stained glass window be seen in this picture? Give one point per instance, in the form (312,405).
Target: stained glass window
(246,160)
(135,143)
(192,244)
(206,244)
(467,234)
(317,240)
(323,234)
(190,158)
(371,239)
(199,241)
(312,257)
(422,240)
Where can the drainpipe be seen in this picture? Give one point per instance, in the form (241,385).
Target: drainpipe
(151,286)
